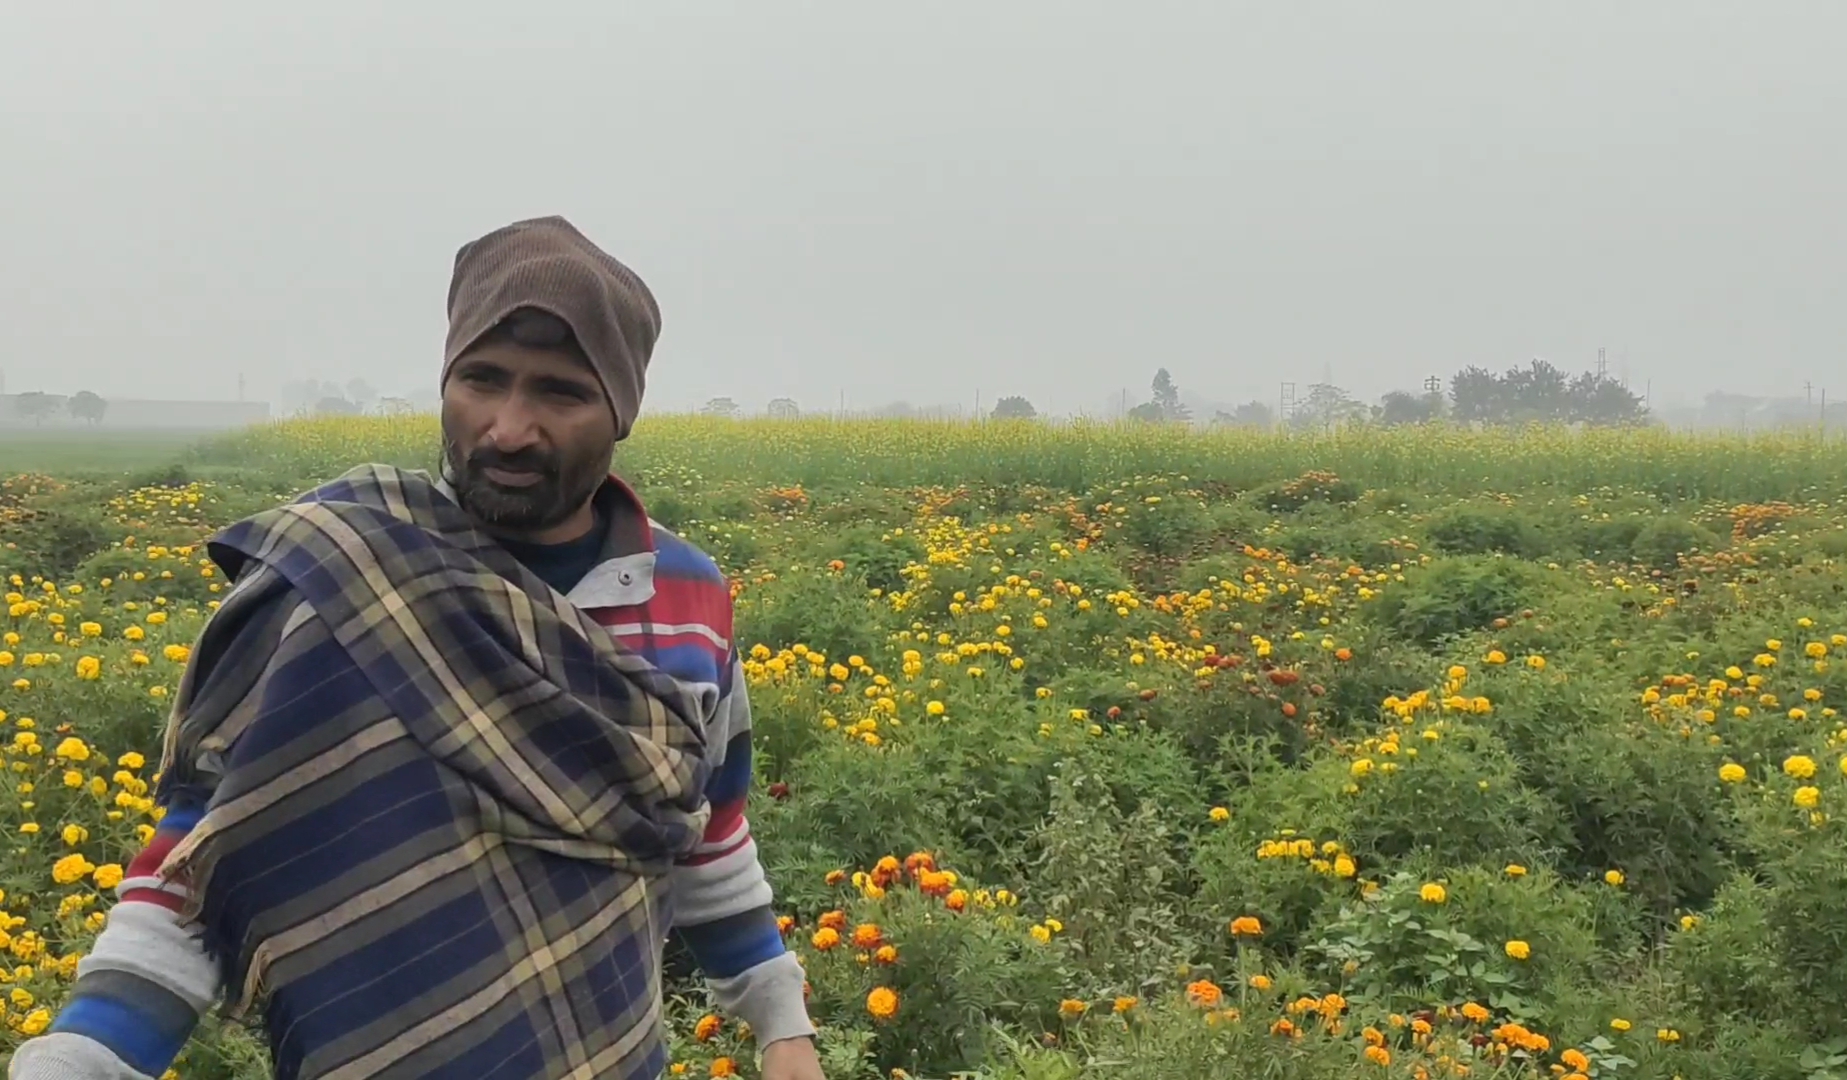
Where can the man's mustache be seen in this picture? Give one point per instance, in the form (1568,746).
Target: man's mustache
(518,461)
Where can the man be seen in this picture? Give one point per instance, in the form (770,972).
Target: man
(454,753)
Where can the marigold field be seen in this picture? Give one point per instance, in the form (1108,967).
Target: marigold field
(1139,753)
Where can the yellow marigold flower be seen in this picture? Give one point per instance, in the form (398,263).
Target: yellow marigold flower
(1072,1008)
(882,1003)
(1433,893)
(1613,877)
(1807,797)
(1518,950)
(1260,982)
(1733,773)
(89,668)
(1222,815)
(75,834)
(1619,1024)
(73,749)
(1122,1005)
(1799,766)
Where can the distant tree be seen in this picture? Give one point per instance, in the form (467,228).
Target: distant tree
(1478,396)
(36,406)
(1251,414)
(1537,393)
(720,406)
(1167,398)
(360,393)
(1398,408)
(783,408)
(396,406)
(1601,401)
(897,410)
(1327,406)
(1147,412)
(85,405)
(1014,408)
(335,406)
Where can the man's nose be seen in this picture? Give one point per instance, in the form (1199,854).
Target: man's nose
(514,428)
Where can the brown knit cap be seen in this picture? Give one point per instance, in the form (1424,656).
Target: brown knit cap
(545,263)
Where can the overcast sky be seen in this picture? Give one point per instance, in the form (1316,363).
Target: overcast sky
(930,201)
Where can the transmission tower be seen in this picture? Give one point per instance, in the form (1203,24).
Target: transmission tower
(1288,403)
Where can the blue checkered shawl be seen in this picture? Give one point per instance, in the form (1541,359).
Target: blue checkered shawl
(434,795)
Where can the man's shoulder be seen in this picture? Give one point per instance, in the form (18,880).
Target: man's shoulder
(680,558)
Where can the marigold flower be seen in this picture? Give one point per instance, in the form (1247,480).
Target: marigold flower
(882,1003)
(1433,893)
(1246,926)
(1518,950)
(1204,993)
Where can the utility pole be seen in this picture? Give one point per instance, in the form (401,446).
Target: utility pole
(1603,364)
(1433,385)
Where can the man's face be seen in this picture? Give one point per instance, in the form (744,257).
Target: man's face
(528,435)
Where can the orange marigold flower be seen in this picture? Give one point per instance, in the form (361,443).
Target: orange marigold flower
(724,1066)
(1123,1004)
(1574,1060)
(957,900)
(707,1028)
(1071,1007)
(1378,1055)
(1260,982)
(887,954)
(1474,1013)
(785,923)
(1246,926)
(834,920)
(935,883)
(882,1003)
(826,938)
(835,877)
(868,936)
(1204,993)
(918,861)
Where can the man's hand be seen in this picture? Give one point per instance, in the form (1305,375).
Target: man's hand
(791,1059)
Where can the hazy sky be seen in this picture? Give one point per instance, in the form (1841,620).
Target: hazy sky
(926,201)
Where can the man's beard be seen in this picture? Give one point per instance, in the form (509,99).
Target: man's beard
(564,484)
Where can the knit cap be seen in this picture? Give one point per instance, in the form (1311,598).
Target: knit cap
(545,263)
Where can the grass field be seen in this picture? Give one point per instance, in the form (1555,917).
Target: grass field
(1136,753)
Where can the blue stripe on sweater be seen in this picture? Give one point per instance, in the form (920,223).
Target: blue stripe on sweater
(731,781)
(144,1045)
(734,944)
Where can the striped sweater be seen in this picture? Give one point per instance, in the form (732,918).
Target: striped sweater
(143,987)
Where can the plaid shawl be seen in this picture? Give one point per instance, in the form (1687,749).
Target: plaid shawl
(434,794)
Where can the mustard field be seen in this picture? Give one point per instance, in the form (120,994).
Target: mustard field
(1140,753)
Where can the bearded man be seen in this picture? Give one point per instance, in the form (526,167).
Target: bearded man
(457,752)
